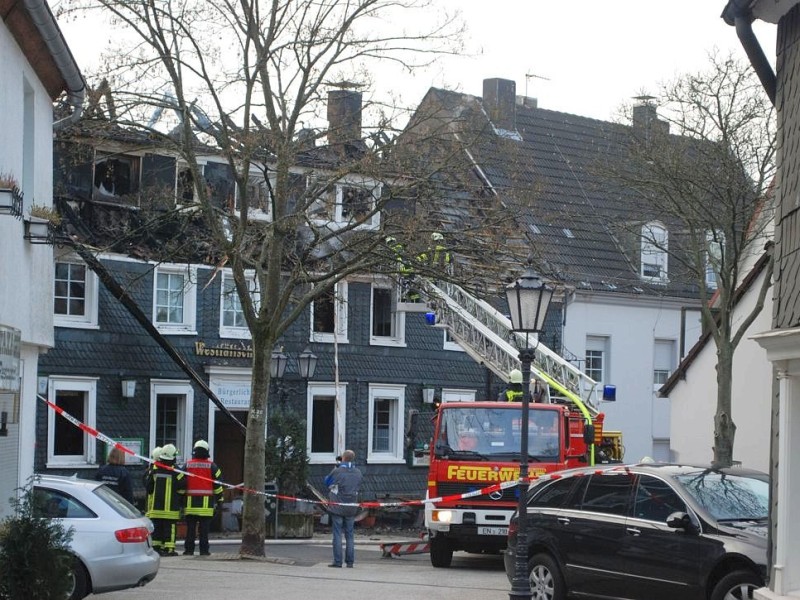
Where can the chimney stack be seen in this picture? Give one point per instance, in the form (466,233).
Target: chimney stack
(646,118)
(499,101)
(344,117)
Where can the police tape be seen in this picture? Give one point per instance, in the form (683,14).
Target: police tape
(498,487)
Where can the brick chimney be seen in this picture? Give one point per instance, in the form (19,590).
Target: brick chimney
(344,116)
(499,101)
(645,117)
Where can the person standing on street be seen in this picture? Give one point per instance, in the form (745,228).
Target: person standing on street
(164,485)
(203,494)
(343,487)
(115,474)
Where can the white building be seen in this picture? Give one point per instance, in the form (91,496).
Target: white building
(36,69)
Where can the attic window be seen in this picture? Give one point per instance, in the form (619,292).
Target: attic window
(568,233)
(116,175)
(655,244)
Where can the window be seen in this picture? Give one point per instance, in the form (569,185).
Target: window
(345,202)
(67,444)
(175,293)
(329,315)
(75,295)
(655,500)
(354,203)
(554,495)
(55,504)
(116,175)
(608,494)
(386,432)
(171,415)
(714,257)
(232,321)
(258,197)
(388,325)
(663,361)
(325,422)
(450,342)
(655,244)
(597,358)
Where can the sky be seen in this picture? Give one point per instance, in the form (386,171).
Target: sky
(585,57)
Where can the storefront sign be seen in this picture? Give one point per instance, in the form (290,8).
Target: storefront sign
(234,395)
(10,341)
(223,350)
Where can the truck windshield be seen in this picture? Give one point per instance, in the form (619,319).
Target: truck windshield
(494,433)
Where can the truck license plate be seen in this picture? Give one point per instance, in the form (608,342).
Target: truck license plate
(493,531)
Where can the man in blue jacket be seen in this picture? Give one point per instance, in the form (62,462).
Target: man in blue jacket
(343,486)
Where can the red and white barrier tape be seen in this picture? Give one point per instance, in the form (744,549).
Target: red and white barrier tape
(240,487)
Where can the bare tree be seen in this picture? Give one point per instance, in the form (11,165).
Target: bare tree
(246,81)
(703,173)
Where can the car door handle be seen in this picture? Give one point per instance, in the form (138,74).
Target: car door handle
(563,520)
(634,530)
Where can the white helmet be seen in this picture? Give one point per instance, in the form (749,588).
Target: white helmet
(201,444)
(168,452)
(155,454)
(437,236)
(515,376)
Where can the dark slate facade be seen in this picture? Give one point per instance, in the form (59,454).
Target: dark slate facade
(119,348)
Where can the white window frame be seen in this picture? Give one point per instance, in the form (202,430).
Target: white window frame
(598,343)
(664,351)
(339,419)
(713,255)
(339,336)
(451,344)
(88,320)
(185,420)
(229,331)
(330,202)
(398,336)
(458,395)
(654,251)
(257,180)
(397,395)
(188,325)
(88,385)
(375,191)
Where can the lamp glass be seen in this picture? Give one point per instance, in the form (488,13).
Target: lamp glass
(277,364)
(307,363)
(528,299)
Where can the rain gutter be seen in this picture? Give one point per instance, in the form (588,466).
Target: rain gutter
(46,24)
(740,14)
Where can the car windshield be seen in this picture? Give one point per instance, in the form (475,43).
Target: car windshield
(728,497)
(471,433)
(117,502)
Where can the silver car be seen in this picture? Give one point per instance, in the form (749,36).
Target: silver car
(111,538)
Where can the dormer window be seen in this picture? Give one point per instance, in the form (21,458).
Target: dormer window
(345,203)
(654,252)
(116,175)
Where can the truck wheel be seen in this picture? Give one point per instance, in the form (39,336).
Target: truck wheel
(441,552)
(545,578)
(738,585)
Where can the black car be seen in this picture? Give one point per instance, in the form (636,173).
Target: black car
(645,532)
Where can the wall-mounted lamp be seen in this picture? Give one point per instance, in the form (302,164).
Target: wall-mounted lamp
(10,201)
(277,363)
(428,395)
(38,230)
(128,388)
(306,363)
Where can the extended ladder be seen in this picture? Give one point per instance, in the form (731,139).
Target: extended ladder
(486,335)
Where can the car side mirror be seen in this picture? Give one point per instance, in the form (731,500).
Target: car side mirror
(681,520)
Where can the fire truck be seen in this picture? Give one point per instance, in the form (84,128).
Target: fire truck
(476,445)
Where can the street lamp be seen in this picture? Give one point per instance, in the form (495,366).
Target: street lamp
(528,300)
(306,363)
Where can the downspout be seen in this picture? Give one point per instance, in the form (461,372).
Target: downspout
(742,18)
(45,22)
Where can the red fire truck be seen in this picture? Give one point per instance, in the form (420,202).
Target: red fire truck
(476,445)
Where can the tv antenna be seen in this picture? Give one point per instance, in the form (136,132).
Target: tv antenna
(529,76)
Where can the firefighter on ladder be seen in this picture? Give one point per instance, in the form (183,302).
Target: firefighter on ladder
(513,392)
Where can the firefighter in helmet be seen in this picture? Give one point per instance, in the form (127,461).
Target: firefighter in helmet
(203,494)
(164,485)
(513,391)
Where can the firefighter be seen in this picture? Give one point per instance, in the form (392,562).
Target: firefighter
(513,391)
(437,256)
(164,485)
(406,272)
(203,495)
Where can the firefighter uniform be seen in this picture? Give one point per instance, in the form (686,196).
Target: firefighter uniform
(164,485)
(203,493)
(513,393)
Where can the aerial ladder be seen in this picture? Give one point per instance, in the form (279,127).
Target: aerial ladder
(487,337)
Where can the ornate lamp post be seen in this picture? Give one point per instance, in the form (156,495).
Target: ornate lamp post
(528,300)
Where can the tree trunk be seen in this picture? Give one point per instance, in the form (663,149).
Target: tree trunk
(253,526)
(724,427)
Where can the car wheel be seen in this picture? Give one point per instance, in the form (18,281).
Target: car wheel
(441,552)
(738,585)
(80,581)
(545,578)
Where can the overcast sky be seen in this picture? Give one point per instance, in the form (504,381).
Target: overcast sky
(588,56)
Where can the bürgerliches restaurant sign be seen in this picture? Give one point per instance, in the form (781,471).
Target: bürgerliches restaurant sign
(223,350)
(10,341)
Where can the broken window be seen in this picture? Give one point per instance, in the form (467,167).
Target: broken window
(356,202)
(116,175)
